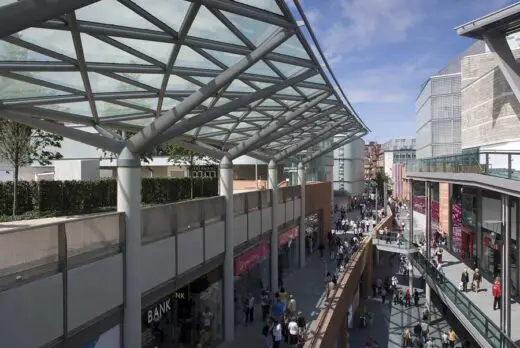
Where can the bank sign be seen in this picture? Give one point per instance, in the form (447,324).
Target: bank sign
(157,312)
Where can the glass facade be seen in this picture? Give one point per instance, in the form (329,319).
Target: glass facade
(188,318)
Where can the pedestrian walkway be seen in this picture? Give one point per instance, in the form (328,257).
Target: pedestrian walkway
(389,320)
(306,285)
(453,268)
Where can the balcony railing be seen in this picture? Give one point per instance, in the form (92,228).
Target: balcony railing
(485,326)
(500,164)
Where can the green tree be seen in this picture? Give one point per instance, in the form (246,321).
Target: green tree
(178,154)
(21,145)
(380,180)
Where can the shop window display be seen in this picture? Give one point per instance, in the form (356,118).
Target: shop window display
(191,317)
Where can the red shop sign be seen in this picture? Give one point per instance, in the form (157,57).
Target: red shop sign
(287,236)
(250,258)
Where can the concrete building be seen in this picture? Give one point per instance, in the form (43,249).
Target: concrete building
(348,168)
(438,111)
(396,151)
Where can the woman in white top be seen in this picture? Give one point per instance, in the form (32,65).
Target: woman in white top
(277,334)
(292,327)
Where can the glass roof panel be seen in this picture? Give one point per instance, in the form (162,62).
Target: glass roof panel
(254,30)
(308,91)
(203,79)
(98,51)
(113,12)
(81,108)
(269,102)
(168,104)
(227,126)
(140,122)
(226,58)
(150,103)
(245,125)
(153,80)
(106,109)
(237,137)
(292,47)
(15,89)
(287,69)
(262,85)
(268,5)
(55,40)
(260,68)
(221,137)
(316,79)
(70,79)
(11,52)
(239,86)
(101,83)
(176,83)
(207,26)
(170,12)
(158,50)
(208,130)
(289,91)
(222,101)
(188,58)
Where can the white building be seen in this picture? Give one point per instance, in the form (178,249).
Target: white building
(399,150)
(348,170)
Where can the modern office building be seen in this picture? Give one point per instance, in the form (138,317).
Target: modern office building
(223,78)
(438,110)
(348,168)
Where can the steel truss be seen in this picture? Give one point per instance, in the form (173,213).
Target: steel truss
(272,100)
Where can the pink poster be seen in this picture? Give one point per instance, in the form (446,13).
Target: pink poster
(456,234)
(287,236)
(250,258)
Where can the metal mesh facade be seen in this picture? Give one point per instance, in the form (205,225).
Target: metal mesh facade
(438,117)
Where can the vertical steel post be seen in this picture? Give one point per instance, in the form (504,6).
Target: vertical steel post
(428,219)
(449,237)
(506,265)
(226,190)
(273,186)
(410,209)
(302,235)
(129,203)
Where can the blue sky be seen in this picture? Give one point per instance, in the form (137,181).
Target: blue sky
(383,50)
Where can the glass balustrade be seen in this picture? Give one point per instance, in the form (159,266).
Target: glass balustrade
(500,164)
(485,326)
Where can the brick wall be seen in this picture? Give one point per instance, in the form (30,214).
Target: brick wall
(490,111)
(318,199)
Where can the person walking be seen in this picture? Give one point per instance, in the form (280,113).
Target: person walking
(277,334)
(407,298)
(265,303)
(477,279)
(292,328)
(383,295)
(497,294)
(464,279)
(291,306)
(267,332)
(444,340)
(438,252)
(406,337)
(452,337)
(416,297)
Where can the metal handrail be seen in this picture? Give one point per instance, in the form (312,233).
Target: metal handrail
(485,326)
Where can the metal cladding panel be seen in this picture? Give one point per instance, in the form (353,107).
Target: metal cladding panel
(190,249)
(254,223)
(266,219)
(240,233)
(161,253)
(32,314)
(214,239)
(94,289)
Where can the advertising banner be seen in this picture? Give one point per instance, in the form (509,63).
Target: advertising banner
(250,258)
(287,236)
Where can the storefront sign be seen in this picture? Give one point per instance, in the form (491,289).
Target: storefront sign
(250,258)
(287,236)
(156,313)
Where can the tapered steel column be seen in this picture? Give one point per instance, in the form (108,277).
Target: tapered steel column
(410,209)
(273,186)
(129,203)
(449,237)
(226,190)
(506,265)
(428,219)
(302,183)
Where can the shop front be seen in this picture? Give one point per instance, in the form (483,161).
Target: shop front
(288,252)
(251,269)
(189,317)
(312,231)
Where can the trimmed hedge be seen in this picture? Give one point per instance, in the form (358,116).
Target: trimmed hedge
(77,197)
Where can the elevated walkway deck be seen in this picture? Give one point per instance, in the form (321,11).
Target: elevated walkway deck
(473,310)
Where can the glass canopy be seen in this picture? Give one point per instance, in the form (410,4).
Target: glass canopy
(122,65)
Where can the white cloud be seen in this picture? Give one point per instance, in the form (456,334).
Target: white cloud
(364,23)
